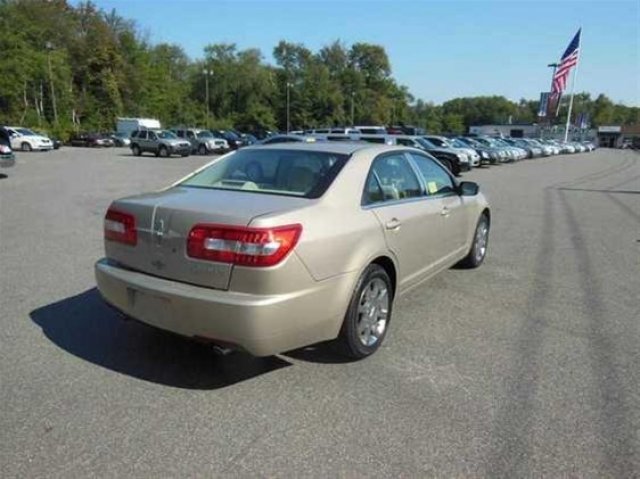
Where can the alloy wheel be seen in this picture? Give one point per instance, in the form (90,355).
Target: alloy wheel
(373,312)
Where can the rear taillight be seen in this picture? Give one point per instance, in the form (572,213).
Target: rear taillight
(120,227)
(242,246)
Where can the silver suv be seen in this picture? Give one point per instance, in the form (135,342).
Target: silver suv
(202,141)
(159,142)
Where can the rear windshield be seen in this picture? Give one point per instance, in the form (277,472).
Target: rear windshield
(305,174)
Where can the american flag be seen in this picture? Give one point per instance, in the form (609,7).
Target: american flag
(568,61)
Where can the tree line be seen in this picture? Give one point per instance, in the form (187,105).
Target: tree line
(68,68)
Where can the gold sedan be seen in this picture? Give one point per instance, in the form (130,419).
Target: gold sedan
(272,248)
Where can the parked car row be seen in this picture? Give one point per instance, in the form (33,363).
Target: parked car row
(458,154)
(186,141)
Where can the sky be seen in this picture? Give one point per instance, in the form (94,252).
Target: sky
(438,49)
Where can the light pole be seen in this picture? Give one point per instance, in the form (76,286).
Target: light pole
(352,109)
(49,47)
(207,73)
(289,85)
(553,74)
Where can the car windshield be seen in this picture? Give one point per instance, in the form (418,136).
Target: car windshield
(437,141)
(166,135)
(205,134)
(426,143)
(285,172)
(25,132)
(121,135)
(458,144)
(483,141)
(231,135)
(470,141)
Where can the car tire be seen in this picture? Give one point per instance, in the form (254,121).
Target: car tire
(367,318)
(25,146)
(202,150)
(478,250)
(163,152)
(135,149)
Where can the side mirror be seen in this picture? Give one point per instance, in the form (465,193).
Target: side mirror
(468,188)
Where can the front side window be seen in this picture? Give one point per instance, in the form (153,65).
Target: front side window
(142,135)
(300,173)
(152,135)
(391,178)
(437,180)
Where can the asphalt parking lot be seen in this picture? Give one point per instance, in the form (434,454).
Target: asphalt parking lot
(526,367)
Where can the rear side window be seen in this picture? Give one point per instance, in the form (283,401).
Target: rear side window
(299,173)
(391,179)
(437,180)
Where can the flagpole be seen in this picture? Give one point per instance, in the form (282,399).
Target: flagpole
(573,88)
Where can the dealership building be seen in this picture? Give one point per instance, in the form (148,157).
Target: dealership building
(614,136)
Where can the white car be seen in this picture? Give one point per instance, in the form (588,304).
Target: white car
(26,140)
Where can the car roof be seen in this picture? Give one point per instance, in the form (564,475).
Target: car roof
(338,147)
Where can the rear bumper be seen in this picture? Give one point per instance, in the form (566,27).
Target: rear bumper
(260,324)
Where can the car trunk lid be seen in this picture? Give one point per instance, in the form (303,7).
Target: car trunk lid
(164,220)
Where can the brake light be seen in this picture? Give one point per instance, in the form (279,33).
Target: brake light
(242,246)
(120,227)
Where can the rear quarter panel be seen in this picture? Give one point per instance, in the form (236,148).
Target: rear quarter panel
(338,235)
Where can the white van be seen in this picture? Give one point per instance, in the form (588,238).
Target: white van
(129,125)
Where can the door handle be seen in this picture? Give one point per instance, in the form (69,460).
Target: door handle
(393,224)
(445,211)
